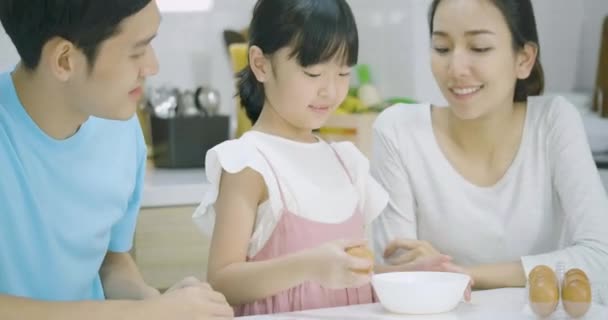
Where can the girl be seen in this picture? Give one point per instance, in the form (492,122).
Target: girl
(499,180)
(285,204)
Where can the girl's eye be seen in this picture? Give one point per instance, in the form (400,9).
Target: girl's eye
(312,75)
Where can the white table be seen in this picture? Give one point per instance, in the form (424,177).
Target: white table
(499,304)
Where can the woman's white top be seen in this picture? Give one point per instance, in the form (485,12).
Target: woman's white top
(549,206)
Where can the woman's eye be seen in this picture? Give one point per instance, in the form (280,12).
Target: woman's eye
(137,55)
(482,50)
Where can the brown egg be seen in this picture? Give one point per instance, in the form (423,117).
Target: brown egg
(541,270)
(362,252)
(576,271)
(543,290)
(576,293)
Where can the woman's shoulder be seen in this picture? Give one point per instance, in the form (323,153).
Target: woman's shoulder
(551,108)
(401,115)
(401,123)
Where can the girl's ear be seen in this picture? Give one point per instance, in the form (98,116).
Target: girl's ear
(259,64)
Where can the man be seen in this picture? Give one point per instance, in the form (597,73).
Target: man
(72,163)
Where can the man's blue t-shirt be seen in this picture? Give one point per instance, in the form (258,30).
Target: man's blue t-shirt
(64,203)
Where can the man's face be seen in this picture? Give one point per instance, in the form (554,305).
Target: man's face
(112,86)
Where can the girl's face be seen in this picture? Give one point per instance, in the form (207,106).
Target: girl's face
(473,59)
(305,97)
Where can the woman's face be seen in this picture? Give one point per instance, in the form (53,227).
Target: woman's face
(473,59)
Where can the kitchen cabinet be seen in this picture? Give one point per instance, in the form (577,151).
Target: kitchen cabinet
(169,247)
(604,176)
(356,128)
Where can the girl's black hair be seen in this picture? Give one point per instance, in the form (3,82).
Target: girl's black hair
(519,15)
(315,31)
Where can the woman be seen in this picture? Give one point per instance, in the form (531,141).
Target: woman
(499,180)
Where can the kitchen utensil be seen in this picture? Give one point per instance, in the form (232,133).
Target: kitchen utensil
(207,100)
(187,106)
(163,102)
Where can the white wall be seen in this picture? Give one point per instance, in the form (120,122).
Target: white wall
(385,43)
(560,24)
(8,54)
(190,48)
(595,11)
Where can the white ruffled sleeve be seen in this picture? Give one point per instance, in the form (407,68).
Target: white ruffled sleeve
(232,156)
(372,196)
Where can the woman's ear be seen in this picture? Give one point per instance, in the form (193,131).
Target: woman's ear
(259,64)
(526,58)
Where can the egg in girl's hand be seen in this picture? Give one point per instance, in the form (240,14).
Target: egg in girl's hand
(543,290)
(365,253)
(576,293)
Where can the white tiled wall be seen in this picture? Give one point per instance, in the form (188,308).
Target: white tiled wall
(560,35)
(595,11)
(8,54)
(394,41)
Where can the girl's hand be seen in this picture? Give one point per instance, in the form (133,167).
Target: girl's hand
(333,268)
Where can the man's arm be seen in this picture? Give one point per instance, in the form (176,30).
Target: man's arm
(122,280)
(13,308)
(197,302)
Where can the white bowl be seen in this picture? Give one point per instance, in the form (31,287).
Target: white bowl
(420,292)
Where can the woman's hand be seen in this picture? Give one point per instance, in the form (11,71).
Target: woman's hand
(414,249)
(420,255)
(451,267)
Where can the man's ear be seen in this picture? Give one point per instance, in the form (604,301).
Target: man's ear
(60,56)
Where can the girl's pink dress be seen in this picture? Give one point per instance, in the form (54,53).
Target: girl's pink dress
(293,234)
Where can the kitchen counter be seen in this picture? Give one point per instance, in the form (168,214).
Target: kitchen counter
(601,160)
(173,187)
(499,304)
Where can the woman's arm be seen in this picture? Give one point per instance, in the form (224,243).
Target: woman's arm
(581,196)
(398,220)
(499,275)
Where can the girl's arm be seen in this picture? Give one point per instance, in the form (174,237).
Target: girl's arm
(243,282)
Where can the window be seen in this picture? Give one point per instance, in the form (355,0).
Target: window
(184,5)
